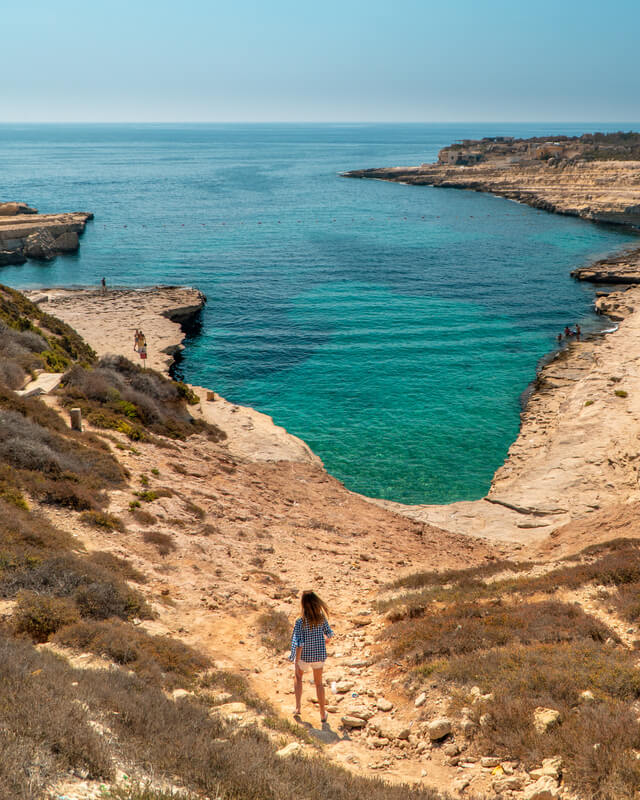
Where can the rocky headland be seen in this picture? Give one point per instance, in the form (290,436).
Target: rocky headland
(26,234)
(565,176)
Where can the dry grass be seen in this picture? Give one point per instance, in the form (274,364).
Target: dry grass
(275,630)
(163,542)
(461,629)
(159,659)
(96,592)
(468,627)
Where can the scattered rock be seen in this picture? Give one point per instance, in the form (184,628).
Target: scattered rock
(489,762)
(544,719)
(439,728)
(587,697)
(353,722)
(511,783)
(460,784)
(543,789)
(384,705)
(420,699)
(289,750)
(451,749)
(344,686)
(178,693)
(551,767)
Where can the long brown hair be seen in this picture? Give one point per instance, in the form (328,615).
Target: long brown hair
(314,610)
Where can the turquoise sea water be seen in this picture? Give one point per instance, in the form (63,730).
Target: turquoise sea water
(391,327)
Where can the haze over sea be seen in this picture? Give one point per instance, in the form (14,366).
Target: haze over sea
(393,328)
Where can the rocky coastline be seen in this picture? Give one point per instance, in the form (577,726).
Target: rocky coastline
(108,319)
(589,177)
(25,234)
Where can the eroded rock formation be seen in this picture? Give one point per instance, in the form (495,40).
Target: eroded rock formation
(26,234)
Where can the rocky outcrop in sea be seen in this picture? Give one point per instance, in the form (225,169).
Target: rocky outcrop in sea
(26,234)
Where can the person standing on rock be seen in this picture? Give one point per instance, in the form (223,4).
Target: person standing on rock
(308,647)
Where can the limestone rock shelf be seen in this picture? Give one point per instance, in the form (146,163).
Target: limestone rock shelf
(25,234)
(601,191)
(107,320)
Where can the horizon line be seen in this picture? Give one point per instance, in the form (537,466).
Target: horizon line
(318,122)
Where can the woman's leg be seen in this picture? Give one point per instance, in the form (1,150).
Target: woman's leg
(317,677)
(297,687)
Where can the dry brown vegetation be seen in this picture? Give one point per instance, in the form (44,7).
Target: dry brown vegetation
(275,630)
(138,402)
(478,628)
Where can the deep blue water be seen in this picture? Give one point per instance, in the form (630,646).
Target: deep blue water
(391,327)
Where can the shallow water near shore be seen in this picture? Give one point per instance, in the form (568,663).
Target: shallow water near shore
(392,327)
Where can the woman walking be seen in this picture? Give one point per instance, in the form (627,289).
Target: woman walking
(308,650)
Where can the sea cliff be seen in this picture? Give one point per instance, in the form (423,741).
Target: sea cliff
(26,234)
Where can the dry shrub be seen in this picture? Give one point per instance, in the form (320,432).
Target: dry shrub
(116,565)
(163,542)
(464,576)
(100,519)
(26,535)
(467,627)
(547,673)
(97,593)
(275,630)
(39,616)
(626,600)
(522,678)
(43,729)
(143,517)
(160,659)
(121,395)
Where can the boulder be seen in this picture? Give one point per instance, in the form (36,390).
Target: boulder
(420,699)
(178,694)
(544,719)
(551,767)
(353,722)
(511,783)
(359,711)
(543,789)
(39,245)
(67,242)
(439,728)
(586,697)
(384,705)
(289,750)
(390,729)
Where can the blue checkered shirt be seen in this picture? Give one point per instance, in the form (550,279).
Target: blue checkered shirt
(311,640)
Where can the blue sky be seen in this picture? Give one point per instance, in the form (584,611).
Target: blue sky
(354,60)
